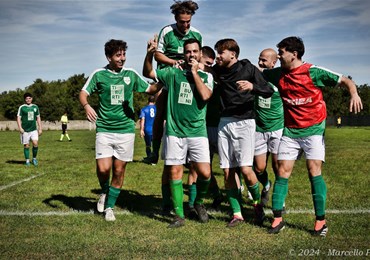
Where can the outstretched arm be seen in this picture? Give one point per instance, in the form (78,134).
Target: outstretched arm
(355,104)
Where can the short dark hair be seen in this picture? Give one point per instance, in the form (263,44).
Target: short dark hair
(27,94)
(184,7)
(192,40)
(292,43)
(227,44)
(112,46)
(151,99)
(208,52)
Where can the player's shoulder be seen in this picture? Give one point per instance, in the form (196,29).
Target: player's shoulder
(167,29)
(193,29)
(98,71)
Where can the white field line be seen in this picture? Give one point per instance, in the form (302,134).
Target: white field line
(18,182)
(127,212)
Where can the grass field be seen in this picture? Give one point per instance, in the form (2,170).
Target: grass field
(47,212)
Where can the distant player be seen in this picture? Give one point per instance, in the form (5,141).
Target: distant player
(147,115)
(64,121)
(29,125)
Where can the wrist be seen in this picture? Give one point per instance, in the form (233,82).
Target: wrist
(85,105)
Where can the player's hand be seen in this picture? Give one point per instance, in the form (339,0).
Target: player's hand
(194,65)
(142,134)
(178,64)
(244,85)
(90,113)
(39,131)
(152,44)
(21,130)
(355,104)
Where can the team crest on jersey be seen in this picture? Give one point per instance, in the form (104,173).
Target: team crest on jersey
(127,80)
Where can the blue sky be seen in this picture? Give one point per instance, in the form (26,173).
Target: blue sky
(56,39)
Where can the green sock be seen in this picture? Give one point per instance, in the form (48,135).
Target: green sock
(26,152)
(112,197)
(192,193)
(61,137)
(318,188)
(280,192)
(263,178)
(202,190)
(255,192)
(68,137)
(156,146)
(104,186)
(177,197)
(233,197)
(34,151)
(166,195)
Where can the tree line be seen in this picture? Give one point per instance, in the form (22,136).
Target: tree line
(56,97)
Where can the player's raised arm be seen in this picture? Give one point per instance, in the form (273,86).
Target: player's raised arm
(148,70)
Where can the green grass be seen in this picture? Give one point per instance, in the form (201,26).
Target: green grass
(50,214)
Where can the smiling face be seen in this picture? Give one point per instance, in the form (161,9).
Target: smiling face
(225,58)
(117,60)
(286,58)
(267,59)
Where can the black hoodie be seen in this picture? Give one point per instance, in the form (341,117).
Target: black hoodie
(236,103)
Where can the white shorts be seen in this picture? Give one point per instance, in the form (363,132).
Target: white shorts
(236,141)
(268,142)
(178,149)
(212,133)
(121,146)
(27,136)
(313,147)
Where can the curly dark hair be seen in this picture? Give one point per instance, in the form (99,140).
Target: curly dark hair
(184,7)
(112,46)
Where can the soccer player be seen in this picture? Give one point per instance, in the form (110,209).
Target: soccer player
(170,53)
(64,121)
(300,86)
(269,127)
(30,128)
(186,135)
(239,81)
(147,115)
(212,119)
(115,126)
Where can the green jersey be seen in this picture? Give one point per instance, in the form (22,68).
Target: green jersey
(171,42)
(269,112)
(186,111)
(115,90)
(28,115)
